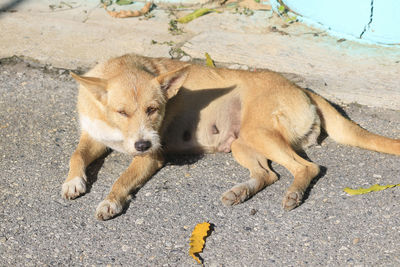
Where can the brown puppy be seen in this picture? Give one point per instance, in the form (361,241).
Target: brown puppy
(150,106)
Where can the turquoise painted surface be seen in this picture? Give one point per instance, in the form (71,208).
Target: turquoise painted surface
(385,25)
(377,21)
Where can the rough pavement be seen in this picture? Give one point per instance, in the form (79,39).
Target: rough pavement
(37,227)
(38,130)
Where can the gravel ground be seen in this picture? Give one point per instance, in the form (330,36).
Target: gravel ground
(38,130)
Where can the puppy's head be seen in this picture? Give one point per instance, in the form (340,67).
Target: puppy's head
(131,106)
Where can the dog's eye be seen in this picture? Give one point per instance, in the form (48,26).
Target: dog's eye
(123,113)
(151,110)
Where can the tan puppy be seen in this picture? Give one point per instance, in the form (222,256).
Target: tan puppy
(149,106)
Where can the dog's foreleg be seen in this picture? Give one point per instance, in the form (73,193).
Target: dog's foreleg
(139,171)
(260,173)
(87,151)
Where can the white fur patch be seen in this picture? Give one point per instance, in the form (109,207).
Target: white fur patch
(108,209)
(253,184)
(73,188)
(130,144)
(114,138)
(150,135)
(100,130)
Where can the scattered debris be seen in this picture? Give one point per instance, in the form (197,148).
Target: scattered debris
(61,6)
(239,67)
(245,11)
(195,14)
(177,53)
(169,43)
(253,212)
(123,2)
(275,29)
(286,13)
(128,13)
(147,16)
(173,27)
(250,4)
(185,58)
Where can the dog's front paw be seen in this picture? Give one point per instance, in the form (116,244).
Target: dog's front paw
(108,209)
(73,188)
(237,194)
(292,200)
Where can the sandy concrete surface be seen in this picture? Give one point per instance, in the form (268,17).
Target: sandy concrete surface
(80,33)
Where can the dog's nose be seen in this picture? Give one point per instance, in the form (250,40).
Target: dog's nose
(142,145)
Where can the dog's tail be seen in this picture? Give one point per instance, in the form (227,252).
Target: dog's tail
(347,132)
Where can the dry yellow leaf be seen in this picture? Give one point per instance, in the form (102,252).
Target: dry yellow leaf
(197,240)
(373,188)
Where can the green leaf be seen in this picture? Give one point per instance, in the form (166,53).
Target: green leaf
(291,19)
(195,14)
(123,2)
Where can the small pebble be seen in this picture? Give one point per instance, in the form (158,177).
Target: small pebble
(185,58)
(139,221)
(238,67)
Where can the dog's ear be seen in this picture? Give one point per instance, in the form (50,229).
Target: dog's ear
(96,86)
(172,81)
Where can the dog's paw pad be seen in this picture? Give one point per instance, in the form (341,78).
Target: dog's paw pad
(73,188)
(108,209)
(235,195)
(292,200)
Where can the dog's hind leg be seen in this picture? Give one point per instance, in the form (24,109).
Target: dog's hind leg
(274,147)
(87,151)
(260,173)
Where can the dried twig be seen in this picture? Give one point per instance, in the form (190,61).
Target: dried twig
(129,13)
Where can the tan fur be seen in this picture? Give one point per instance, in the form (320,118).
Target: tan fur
(147,107)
